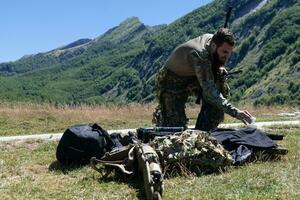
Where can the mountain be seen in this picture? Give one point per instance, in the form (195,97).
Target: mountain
(268,53)
(76,44)
(120,65)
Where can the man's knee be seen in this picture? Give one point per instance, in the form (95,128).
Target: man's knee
(170,111)
(169,118)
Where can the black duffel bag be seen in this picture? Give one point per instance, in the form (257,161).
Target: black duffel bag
(81,142)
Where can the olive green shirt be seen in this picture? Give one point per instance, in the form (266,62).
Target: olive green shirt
(193,59)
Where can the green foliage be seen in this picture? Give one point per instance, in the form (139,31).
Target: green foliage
(268,55)
(120,65)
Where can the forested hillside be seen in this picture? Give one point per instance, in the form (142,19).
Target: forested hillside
(120,65)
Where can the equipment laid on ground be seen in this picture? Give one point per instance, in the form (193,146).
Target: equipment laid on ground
(161,151)
(134,160)
(81,142)
(147,134)
(150,169)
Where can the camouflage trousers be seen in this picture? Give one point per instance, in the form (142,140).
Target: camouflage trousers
(172,94)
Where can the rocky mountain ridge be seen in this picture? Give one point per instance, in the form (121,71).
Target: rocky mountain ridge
(120,65)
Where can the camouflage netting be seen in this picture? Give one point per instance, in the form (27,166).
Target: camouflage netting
(191,151)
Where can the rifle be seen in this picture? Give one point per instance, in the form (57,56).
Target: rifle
(234,73)
(229,74)
(227,16)
(124,158)
(225,26)
(147,134)
(149,167)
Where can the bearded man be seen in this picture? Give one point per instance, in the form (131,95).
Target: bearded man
(197,66)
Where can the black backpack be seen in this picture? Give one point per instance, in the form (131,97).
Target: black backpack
(81,142)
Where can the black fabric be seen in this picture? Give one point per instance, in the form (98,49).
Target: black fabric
(123,140)
(81,142)
(250,137)
(242,142)
(275,136)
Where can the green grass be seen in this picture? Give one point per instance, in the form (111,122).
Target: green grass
(30,171)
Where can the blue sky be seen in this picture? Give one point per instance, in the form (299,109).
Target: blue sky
(33,26)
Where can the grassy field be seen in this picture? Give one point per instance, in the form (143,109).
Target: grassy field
(30,171)
(23,119)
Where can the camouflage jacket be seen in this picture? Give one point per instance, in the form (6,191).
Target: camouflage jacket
(193,59)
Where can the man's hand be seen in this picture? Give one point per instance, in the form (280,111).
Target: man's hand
(244,116)
(223,73)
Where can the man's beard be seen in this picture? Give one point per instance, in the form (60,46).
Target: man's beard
(216,64)
(216,60)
